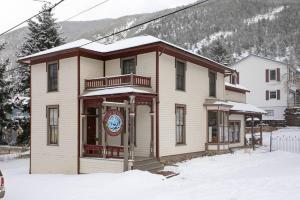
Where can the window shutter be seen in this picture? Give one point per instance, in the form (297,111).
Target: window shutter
(267,95)
(278,74)
(238,78)
(278,94)
(267,75)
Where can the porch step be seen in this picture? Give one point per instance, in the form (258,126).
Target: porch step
(148,164)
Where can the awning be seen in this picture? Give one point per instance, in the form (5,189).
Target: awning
(243,108)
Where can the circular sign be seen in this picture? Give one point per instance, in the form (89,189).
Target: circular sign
(113,122)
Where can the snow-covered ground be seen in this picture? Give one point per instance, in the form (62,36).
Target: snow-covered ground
(240,176)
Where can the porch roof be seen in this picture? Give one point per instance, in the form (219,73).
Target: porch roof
(238,107)
(118,91)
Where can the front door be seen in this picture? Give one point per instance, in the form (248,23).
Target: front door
(91,130)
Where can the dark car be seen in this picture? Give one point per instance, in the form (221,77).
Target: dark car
(2,189)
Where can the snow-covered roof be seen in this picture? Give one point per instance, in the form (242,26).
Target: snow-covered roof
(237,86)
(240,107)
(258,56)
(114,90)
(245,107)
(118,45)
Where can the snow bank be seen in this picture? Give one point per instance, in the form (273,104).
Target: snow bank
(244,175)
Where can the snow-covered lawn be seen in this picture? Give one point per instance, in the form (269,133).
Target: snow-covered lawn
(240,176)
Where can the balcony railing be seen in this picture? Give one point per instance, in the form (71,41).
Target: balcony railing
(122,80)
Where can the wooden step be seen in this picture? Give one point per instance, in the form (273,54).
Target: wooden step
(148,164)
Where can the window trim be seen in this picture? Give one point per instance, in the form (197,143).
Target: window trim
(48,124)
(47,70)
(184,75)
(128,58)
(216,75)
(184,125)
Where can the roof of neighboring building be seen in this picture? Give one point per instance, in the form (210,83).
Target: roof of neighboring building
(258,56)
(236,87)
(124,44)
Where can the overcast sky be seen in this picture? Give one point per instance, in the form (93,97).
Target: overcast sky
(14,11)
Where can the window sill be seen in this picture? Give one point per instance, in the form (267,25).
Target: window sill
(52,145)
(178,145)
(52,91)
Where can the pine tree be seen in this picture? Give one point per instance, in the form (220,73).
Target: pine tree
(5,108)
(43,34)
(218,52)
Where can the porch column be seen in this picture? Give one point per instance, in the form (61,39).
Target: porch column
(103,138)
(99,114)
(260,129)
(131,117)
(218,137)
(152,113)
(252,132)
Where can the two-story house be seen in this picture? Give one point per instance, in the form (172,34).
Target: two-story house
(272,85)
(177,99)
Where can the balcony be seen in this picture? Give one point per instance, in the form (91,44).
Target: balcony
(122,80)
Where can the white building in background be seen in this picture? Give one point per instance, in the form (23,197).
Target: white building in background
(272,84)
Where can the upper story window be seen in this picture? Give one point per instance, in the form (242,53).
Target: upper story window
(212,84)
(52,124)
(273,75)
(128,65)
(52,76)
(180,75)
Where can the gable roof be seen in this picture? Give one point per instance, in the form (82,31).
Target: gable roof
(258,56)
(126,44)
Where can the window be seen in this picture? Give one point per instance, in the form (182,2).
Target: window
(212,84)
(273,75)
(213,126)
(234,131)
(52,124)
(273,94)
(180,112)
(52,71)
(128,65)
(270,113)
(180,75)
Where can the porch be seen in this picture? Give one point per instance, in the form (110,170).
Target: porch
(109,151)
(227,122)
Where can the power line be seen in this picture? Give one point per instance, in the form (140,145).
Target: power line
(135,26)
(81,12)
(86,10)
(146,22)
(12,28)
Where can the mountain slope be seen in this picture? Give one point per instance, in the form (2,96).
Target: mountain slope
(265,27)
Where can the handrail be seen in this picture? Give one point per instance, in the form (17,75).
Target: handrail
(112,81)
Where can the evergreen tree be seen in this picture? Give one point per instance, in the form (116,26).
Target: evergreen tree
(43,34)
(5,108)
(218,52)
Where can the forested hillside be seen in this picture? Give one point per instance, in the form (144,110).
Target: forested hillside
(265,27)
